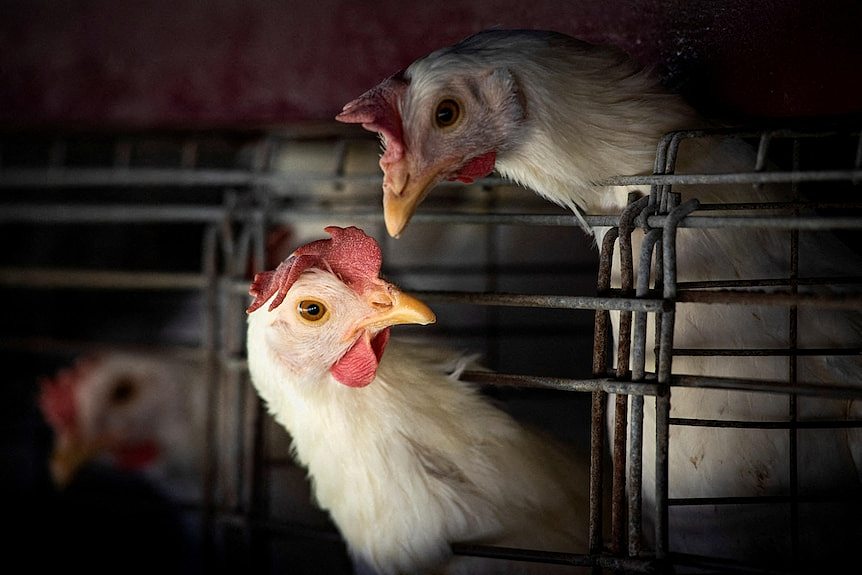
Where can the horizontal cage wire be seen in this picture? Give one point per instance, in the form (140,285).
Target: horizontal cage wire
(222,198)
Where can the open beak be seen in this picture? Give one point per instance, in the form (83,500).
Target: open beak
(400,309)
(404,188)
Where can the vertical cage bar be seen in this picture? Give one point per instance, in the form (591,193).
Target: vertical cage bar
(618,484)
(259,505)
(762,151)
(211,370)
(792,324)
(655,200)
(236,264)
(599,398)
(663,342)
(492,313)
(636,420)
(259,502)
(664,368)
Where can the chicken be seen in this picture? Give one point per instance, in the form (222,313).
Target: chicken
(404,456)
(132,412)
(558,115)
(127,457)
(540,108)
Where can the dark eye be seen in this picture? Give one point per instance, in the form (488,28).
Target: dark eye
(312,310)
(124,391)
(447,113)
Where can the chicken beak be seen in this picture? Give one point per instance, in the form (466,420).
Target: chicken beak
(403,191)
(68,458)
(404,309)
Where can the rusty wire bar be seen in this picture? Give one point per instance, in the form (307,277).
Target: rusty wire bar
(545,301)
(735,178)
(596,384)
(783,387)
(618,483)
(789,424)
(639,340)
(769,282)
(599,398)
(635,476)
(766,352)
(184,213)
(49,278)
(675,215)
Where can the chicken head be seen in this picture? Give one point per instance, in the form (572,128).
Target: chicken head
(440,119)
(328,309)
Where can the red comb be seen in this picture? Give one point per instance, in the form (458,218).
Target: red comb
(378,111)
(57,394)
(350,253)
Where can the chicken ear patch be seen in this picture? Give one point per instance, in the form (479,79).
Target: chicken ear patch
(358,367)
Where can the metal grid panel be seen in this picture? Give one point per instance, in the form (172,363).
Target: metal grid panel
(228,193)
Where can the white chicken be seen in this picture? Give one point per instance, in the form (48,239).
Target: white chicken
(127,464)
(558,115)
(404,456)
(134,412)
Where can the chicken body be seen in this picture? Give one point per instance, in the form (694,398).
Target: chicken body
(412,459)
(558,115)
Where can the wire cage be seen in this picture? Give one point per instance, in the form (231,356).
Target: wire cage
(146,243)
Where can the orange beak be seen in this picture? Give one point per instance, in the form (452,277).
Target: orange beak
(404,188)
(69,455)
(394,308)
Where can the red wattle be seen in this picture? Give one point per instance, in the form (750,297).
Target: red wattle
(358,367)
(136,456)
(478,167)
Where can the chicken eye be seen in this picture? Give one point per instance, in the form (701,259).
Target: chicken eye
(124,391)
(447,113)
(312,310)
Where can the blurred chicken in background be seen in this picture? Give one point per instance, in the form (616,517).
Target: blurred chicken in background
(127,461)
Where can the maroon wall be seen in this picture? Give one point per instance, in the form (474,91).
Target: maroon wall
(225,63)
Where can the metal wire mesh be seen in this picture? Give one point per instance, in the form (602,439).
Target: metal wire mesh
(220,196)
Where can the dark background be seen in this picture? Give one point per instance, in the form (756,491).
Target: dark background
(235,64)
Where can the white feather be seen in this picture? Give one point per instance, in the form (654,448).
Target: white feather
(417,459)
